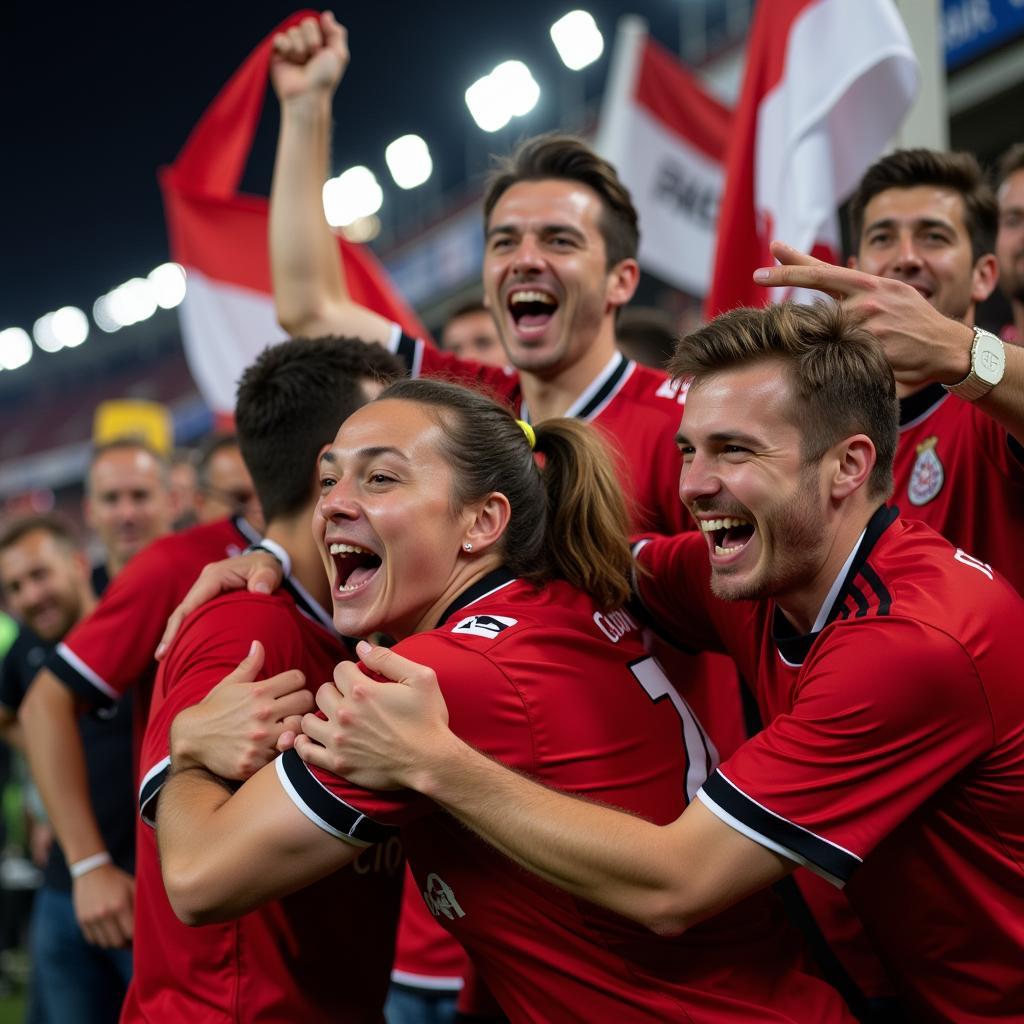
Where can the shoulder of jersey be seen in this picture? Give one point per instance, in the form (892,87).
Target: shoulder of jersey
(650,384)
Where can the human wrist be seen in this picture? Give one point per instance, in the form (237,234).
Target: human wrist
(312,105)
(86,865)
(957,354)
(438,772)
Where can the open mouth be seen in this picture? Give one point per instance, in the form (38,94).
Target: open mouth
(728,535)
(531,309)
(354,567)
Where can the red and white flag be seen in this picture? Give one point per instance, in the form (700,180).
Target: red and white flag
(827,84)
(220,237)
(666,137)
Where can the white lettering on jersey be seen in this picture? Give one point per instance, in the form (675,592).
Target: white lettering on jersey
(440,899)
(674,389)
(488,626)
(615,625)
(974,563)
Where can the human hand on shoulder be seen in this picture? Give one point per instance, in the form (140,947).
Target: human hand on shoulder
(310,58)
(234,730)
(378,735)
(259,572)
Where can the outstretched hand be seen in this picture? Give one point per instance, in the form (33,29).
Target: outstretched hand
(234,730)
(921,344)
(377,735)
(310,57)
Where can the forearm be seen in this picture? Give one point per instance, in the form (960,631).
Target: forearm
(1005,402)
(592,851)
(49,723)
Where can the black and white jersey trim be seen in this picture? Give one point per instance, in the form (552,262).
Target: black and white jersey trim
(323,808)
(78,677)
(729,803)
(150,788)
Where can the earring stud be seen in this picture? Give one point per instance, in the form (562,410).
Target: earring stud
(468,546)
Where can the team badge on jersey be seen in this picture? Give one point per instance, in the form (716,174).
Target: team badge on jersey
(927,476)
(440,899)
(488,626)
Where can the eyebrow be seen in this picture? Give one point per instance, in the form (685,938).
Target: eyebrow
(917,222)
(726,436)
(546,229)
(366,453)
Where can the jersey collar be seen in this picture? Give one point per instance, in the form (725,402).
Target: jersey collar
(794,647)
(245,528)
(494,580)
(599,392)
(920,404)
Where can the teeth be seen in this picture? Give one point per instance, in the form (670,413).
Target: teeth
(348,549)
(710,525)
(531,296)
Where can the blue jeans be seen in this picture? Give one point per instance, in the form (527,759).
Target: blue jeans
(406,1005)
(73,980)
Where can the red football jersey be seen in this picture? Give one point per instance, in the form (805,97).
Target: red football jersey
(958,471)
(541,680)
(894,755)
(320,955)
(111,651)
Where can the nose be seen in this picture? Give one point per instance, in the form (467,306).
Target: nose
(527,256)
(338,502)
(908,259)
(697,479)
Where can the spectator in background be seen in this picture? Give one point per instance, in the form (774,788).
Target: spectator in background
(46,581)
(184,488)
(127,502)
(225,486)
(646,335)
(1010,237)
(470,333)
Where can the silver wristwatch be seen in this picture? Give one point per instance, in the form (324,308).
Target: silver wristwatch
(988,361)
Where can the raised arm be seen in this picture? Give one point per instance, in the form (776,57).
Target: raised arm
(309,283)
(665,877)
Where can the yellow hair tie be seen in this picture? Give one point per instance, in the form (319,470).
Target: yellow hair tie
(531,437)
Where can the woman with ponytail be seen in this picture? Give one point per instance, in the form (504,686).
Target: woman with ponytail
(496,553)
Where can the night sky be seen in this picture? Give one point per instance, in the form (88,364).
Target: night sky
(97,97)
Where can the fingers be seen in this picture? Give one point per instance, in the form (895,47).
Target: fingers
(312,753)
(800,270)
(249,667)
(790,257)
(392,666)
(335,34)
(283,683)
(265,579)
(291,728)
(293,705)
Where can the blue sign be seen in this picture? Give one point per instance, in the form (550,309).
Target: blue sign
(971,28)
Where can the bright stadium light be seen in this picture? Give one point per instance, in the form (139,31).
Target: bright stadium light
(355,193)
(70,326)
(168,281)
(408,160)
(508,91)
(101,315)
(15,348)
(42,331)
(131,302)
(577,39)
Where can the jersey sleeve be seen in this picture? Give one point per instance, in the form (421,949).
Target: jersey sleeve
(884,715)
(423,360)
(485,709)
(211,644)
(104,655)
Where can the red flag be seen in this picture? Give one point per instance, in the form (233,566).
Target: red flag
(667,138)
(220,237)
(827,83)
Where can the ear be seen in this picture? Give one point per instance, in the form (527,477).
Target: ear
(851,462)
(487,523)
(984,277)
(851,262)
(623,280)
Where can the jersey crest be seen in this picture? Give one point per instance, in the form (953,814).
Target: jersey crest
(928,475)
(440,899)
(488,626)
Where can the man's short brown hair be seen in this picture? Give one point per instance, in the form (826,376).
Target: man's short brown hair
(567,158)
(841,382)
(908,168)
(1010,162)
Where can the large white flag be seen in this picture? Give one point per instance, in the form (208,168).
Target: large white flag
(666,137)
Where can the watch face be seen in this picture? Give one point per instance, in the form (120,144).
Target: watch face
(989,358)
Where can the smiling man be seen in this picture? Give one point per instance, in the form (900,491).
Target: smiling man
(885,661)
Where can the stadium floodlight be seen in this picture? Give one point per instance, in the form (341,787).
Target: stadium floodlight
(353,194)
(168,281)
(70,326)
(409,162)
(577,39)
(508,91)
(15,348)
(101,315)
(131,302)
(42,331)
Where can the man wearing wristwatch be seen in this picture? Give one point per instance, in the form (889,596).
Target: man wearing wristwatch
(927,219)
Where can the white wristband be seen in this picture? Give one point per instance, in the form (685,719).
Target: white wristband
(87,864)
(275,549)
